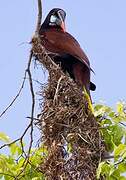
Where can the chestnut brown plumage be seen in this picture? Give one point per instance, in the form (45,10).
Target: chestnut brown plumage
(64,49)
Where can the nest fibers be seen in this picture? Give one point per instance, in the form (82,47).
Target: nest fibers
(69,130)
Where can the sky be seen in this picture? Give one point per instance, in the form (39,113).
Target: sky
(100,28)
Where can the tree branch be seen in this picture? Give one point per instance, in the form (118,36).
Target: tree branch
(15,98)
(39,17)
(31,124)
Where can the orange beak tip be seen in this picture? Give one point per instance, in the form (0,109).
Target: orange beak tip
(63,27)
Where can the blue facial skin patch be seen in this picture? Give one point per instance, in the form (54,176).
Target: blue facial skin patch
(53,19)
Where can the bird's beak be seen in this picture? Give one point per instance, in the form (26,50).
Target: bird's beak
(63,26)
(62,16)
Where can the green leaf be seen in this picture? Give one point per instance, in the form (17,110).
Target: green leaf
(15,149)
(1,176)
(104,169)
(99,169)
(108,139)
(124,155)
(69,148)
(115,174)
(120,107)
(106,122)
(122,178)
(101,110)
(120,150)
(117,133)
(97,107)
(36,178)
(122,167)
(4,137)
(3,163)
(120,111)
(112,114)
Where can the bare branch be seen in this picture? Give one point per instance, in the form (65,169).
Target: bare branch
(15,98)
(119,162)
(123,124)
(31,125)
(33,101)
(31,122)
(9,144)
(39,17)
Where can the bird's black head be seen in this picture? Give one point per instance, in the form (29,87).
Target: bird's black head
(55,18)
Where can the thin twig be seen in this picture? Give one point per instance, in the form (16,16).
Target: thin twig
(31,122)
(32,90)
(64,125)
(119,162)
(57,88)
(83,138)
(123,124)
(9,144)
(19,139)
(37,119)
(33,101)
(37,81)
(107,157)
(31,125)
(15,98)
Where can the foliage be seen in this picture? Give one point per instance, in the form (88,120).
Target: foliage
(11,165)
(113,130)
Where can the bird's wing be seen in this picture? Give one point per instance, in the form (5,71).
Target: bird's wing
(63,43)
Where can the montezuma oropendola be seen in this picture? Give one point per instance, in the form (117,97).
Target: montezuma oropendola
(64,49)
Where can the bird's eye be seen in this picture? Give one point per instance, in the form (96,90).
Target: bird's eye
(53,19)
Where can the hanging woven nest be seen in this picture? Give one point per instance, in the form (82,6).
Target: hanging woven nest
(68,127)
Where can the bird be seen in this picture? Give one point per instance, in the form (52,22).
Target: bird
(65,50)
